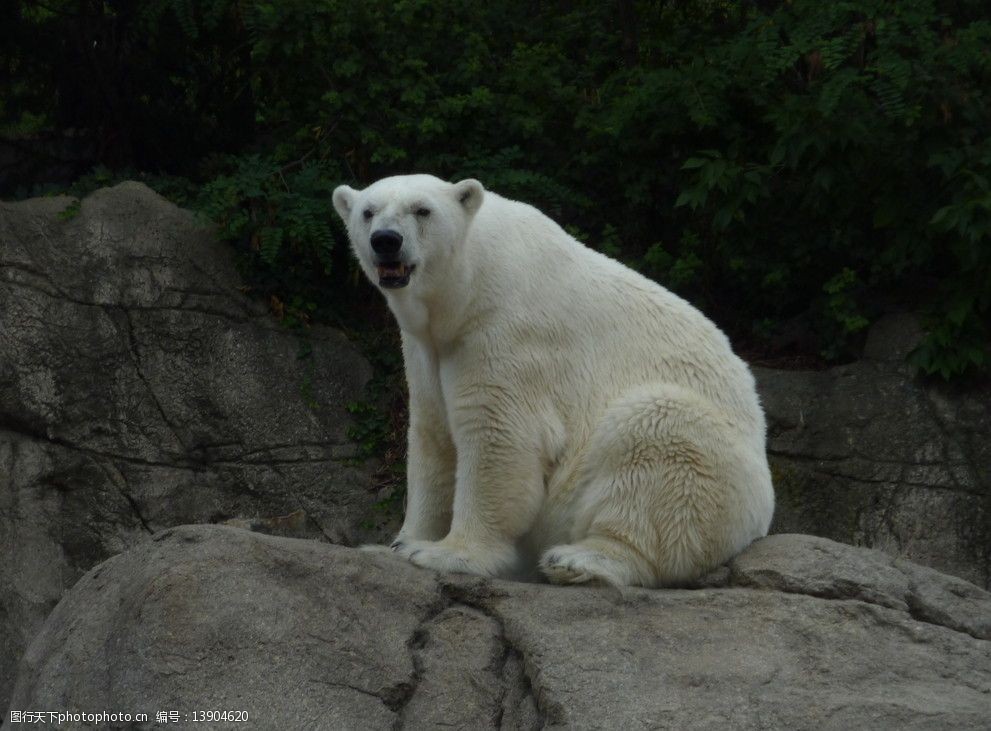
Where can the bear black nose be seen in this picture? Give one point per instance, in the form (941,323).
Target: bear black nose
(386,242)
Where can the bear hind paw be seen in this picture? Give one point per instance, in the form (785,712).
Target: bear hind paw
(585,564)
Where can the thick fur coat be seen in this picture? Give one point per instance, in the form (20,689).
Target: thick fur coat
(566,413)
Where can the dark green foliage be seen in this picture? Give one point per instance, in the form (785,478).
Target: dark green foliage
(380,418)
(268,205)
(776,162)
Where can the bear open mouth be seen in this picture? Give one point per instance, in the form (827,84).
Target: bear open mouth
(394,275)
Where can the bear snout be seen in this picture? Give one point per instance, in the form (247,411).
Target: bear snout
(386,242)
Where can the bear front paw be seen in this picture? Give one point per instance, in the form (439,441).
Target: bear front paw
(397,545)
(441,556)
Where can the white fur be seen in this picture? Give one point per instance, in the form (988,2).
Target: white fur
(562,407)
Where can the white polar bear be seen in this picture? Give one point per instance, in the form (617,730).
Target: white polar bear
(563,408)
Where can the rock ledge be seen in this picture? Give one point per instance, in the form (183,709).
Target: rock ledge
(798,632)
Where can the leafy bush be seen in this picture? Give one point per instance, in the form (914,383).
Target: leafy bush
(776,162)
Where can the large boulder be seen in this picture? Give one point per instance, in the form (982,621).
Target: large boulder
(140,388)
(869,454)
(798,633)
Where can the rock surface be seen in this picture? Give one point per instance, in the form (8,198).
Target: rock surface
(140,388)
(867,454)
(799,633)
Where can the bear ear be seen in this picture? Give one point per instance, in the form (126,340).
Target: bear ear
(344,200)
(469,194)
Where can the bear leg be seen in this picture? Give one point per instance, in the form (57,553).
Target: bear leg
(672,490)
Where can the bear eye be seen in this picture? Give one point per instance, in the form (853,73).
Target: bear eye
(367,214)
(422,212)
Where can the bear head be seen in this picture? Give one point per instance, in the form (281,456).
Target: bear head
(407,227)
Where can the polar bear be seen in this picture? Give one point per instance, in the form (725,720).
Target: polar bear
(566,413)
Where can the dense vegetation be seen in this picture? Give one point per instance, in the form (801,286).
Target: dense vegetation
(794,168)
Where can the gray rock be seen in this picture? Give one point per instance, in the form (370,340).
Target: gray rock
(893,336)
(140,388)
(868,454)
(302,634)
(820,567)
